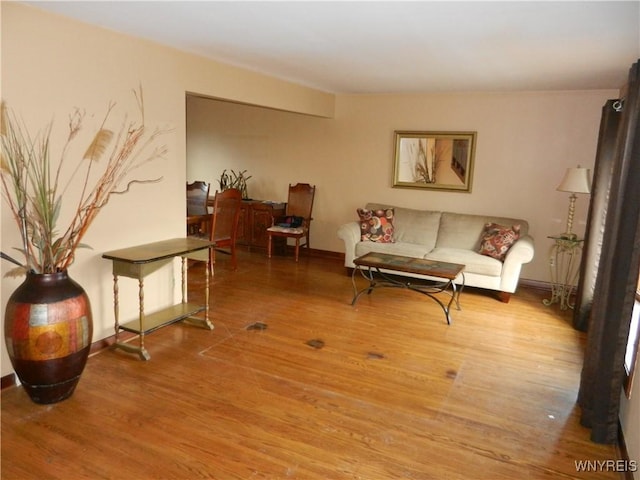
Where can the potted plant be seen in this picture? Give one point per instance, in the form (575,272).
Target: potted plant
(48,324)
(235,180)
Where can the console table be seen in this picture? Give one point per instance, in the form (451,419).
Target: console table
(138,262)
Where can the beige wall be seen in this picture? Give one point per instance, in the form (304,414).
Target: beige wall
(51,65)
(525,142)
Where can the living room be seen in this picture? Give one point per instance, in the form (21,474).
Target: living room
(284,133)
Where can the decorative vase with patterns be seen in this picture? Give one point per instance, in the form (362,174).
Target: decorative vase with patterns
(48,330)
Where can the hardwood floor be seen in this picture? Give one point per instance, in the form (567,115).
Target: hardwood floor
(294,382)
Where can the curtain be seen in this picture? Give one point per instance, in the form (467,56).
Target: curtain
(597,216)
(614,292)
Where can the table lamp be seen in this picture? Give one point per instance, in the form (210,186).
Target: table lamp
(576,180)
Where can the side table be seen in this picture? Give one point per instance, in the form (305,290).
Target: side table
(138,262)
(564,263)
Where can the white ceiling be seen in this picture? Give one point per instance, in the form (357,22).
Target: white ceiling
(390,47)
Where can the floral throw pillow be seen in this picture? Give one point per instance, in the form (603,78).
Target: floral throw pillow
(497,240)
(376,225)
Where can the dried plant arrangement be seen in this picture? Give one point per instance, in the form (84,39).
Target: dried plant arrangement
(235,180)
(35,185)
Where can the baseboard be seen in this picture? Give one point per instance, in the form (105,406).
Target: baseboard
(326,254)
(535,284)
(8,381)
(315,253)
(100,345)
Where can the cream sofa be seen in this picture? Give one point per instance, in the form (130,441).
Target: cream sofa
(448,237)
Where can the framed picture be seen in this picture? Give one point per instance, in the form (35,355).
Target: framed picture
(434,160)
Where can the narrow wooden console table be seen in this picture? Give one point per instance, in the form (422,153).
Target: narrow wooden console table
(138,262)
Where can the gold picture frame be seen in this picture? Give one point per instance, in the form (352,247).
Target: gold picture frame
(434,160)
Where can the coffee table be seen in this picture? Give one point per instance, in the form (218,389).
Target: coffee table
(377,269)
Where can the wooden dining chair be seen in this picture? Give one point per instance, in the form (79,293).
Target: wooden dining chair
(297,221)
(197,212)
(224,224)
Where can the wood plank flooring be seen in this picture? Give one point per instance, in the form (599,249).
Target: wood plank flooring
(295,383)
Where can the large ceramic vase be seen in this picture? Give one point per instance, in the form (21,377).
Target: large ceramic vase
(48,329)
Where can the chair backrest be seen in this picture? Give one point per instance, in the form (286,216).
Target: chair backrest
(197,196)
(226,211)
(300,201)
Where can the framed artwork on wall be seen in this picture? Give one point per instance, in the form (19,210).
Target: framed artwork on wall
(434,160)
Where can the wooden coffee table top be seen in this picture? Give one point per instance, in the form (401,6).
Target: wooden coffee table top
(418,266)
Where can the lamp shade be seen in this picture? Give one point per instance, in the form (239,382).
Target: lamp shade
(576,180)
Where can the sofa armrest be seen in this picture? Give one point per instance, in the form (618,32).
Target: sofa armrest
(350,234)
(520,253)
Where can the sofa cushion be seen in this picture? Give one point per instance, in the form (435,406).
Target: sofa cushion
(376,225)
(473,261)
(413,226)
(406,249)
(464,231)
(497,240)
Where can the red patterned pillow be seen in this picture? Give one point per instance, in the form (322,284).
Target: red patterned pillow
(497,240)
(376,225)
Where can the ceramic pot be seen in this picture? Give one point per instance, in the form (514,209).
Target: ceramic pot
(48,329)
